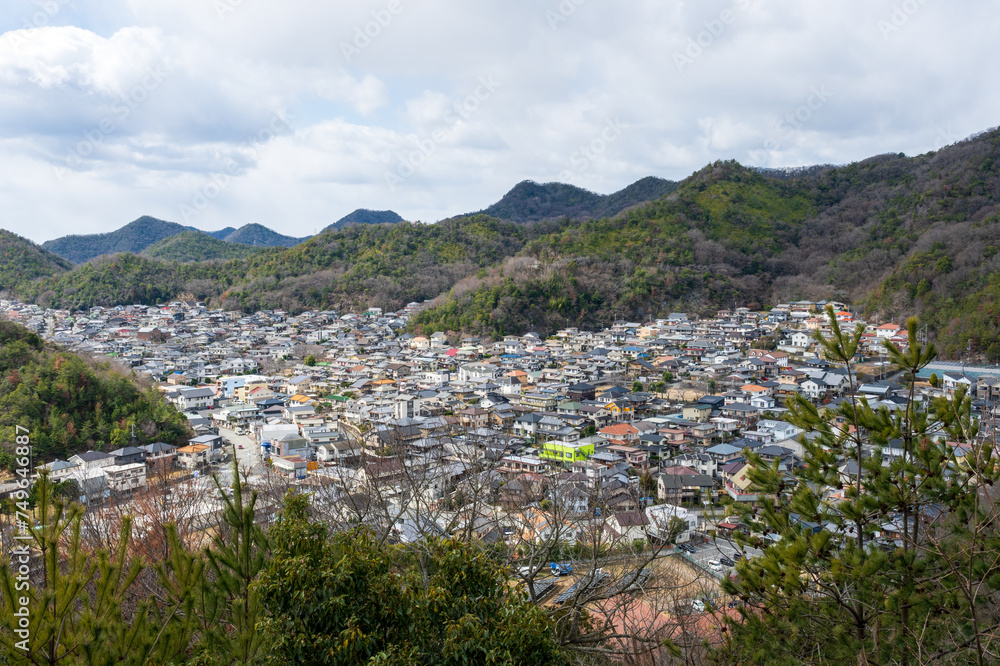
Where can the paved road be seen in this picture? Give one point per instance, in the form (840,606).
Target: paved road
(713,551)
(249,455)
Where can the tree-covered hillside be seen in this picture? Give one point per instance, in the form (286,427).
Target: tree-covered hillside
(135,236)
(382,265)
(257,235)
(22,261)
(70,405)
(196,246)
(529,201)
(895,235)
(366,216)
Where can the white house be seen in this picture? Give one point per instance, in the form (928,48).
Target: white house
(659,518)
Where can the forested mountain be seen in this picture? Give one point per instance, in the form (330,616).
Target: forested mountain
(365,216)
(140,235)
(70,405)
(21,260)
(196,246)
(530,201)
(382,265)
(135,236)
(258,235)
(895,235)
(218,235)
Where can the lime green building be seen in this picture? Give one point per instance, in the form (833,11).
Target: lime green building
(566,451)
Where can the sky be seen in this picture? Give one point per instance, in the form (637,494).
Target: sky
(216,113)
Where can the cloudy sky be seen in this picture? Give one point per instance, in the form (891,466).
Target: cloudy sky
(218,113)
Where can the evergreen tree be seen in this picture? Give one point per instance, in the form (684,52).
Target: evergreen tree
(81,606)
(876,557)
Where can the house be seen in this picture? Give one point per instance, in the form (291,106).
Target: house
(160,457)
(193,398)
(619,432)
(724,453)
(698,412)
(92,460)
(193,456)
(291,466)
(662,526)
(128,454)
(737,482)
(684,488)
(58,470)
(125,477)
(627,526)
(339,452)
(566,452)
(635,457)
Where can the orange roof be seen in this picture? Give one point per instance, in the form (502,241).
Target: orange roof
(620,429)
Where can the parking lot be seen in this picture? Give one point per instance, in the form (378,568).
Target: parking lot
(704,553)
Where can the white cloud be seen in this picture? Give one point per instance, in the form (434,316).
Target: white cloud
(411,99)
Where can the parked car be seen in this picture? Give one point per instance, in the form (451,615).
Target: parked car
(725,560)
(715,565)
(560,569)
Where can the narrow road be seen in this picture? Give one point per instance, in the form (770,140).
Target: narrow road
(249,455)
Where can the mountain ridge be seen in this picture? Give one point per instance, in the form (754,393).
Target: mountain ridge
(365,216)
(895,235)
(529,201)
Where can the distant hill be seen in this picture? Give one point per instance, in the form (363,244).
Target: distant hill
(220,234)
(257,235)
(135,236)
(197,246)
(892,235)
(21,260)
(365,216)
(71,404)
(530,201)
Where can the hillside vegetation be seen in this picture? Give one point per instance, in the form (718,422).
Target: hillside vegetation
(894,235)
(196,246)
(22,261)
(365,216)
(70,405)
(257,235)
(529,201)
(385,265)
(135,236)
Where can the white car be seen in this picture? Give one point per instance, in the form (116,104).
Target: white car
(715,565)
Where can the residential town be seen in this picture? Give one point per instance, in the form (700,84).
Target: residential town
(614,425)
